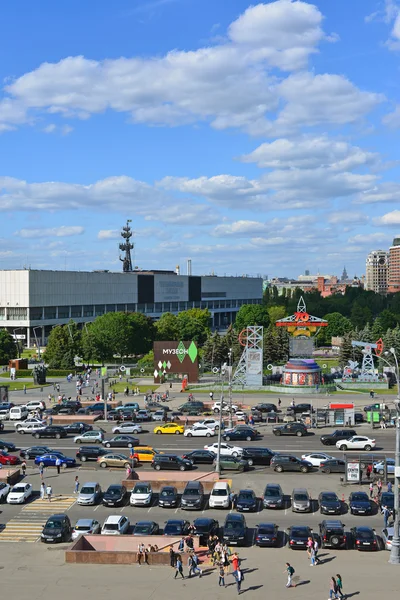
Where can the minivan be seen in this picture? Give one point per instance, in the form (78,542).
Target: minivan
(18,412)
(193,496)
(220,496)
(301,501)
(90,494)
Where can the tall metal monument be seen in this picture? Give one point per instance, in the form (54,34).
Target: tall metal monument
(126,247)
(249,371)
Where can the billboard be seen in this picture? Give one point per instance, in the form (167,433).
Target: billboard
(353,472)
(175,360)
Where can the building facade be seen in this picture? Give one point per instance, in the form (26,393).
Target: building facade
(32,302)
(377,271)
(394,267)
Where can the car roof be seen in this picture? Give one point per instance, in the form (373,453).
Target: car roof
(203,520)
(144,523)
(299,527)
(332,523)
(84,522)
(90,483)
(114,518)
(58,516)
(234,517)
(364,528)
(300,491)
(267,525)
(175,521)
(168,487)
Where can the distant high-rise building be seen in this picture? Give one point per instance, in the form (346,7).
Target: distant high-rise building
(377,271)
(394,267)
(344,276)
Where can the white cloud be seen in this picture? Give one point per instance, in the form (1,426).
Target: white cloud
(51,128)
(241,229)
(63,231)
(108,234)
(309,152)
(368,238)
(347,217)
(389,219)
(66,129)
(383,192)
(392,119)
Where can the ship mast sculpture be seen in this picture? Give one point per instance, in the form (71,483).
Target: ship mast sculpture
(126,247)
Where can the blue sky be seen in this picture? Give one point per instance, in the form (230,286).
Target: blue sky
(251,138)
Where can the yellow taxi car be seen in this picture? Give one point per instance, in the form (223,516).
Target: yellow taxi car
(146,453)
(170,428)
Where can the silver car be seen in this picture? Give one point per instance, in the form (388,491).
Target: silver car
(127,427)
(90,493)
(85,527)
(301,501)
(387,537)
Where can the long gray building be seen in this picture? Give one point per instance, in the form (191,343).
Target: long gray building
(33,301)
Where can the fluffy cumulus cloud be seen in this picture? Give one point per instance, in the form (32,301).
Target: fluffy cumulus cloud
(384,192)
(230,84)
(389,219)
(47,232)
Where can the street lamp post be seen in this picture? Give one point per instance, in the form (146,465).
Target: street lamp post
(230,387)
(395,551)
(218,459)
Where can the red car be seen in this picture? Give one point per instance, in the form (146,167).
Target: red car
(8,459)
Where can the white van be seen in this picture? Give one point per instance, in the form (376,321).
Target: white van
(220,496)
(18,412)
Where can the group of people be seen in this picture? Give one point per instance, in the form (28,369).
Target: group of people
(335,583)
(143,552)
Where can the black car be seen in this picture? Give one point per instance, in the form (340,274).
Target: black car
(329,504)
(359,503)
(335,465)
(90,453)
(387,499)
(168,497)
(205,527)
(66,410)
(57,529)
(98,406)
(246,500)
(52,431)
(146,528)
(78,427)
(170,461)
(298,429)
(7,446)
(287,462)
(177,527)
(332,534)
(115,495)
(266,535)
(364,538)
(273,496)
(257,456)
(240,434)
(258,416)
(122,441)
(204,457)
(235,529)
(330,439)
(300,408)
(358,418)
(298,536)
(265,407)
(35,451)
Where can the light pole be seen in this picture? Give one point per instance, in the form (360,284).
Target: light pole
(37,341)
(230,387)
(218,460)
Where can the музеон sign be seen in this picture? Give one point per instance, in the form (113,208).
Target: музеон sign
(174,360)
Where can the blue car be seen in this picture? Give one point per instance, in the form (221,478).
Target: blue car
(49,460)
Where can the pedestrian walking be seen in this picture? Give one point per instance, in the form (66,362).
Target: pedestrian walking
(41,472)
(171,557)
(368,471)
(312,557)
(316,550)
(49,492)
(42,490)
(23,468)
(279,402)
(379,486)
(76,485)
(179,567)
(239,579)
(389,486)
(332,588)
(235,562)
(181,546)
(221,575)
(290,572)
(371,489)
(194,565)
(58,465)
(24,389)
(386,515)
(339,585)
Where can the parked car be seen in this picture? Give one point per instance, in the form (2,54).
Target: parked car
(359,503)
(329,504)
(266,535)
(170,461)
(332,534)
(146,453)
(232,463)
(387,537)
(235,530)
(257,456)
(364,538)
(300,408)
(379,467)
(287,462)
(247,501)
(127,427)
(160,414)
(85,527)
(225,449)
(121,441)
(220,496)
(168,497)
(298,536)
(216,407)
(35,405)
(204,457)
(316,458)
(90,493)
(357,442)
(240,434)
(169,428)
(273,496)
(334,465)
(204,527)
(146,528)
(298,429)
(89,437)
(210,422)
(193,496)
(115,495)
(177,527)
(141,495)
(31,428)
(50,459)
(115,525)
(145,415)
(8,459)
(112,459)
(57,529)
(387,499)
(132,405)
(199,431)
(4,489)
(90,453)
(51,431)
(330,439)
(20,493)
(265,407)
(78,427)
(34,451)
(7,446)
(301,501)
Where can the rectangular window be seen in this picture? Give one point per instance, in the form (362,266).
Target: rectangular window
(206,295)
(50,312)
(76,311)
(17,313)
(88,310)
(63,312)
(158,306)
(141,308)
(167,307)
(121,307)
(110,308)
(182,306)
(99,310)
(131,307)
(174,306)
(149,308)
(2,314)
(36,313)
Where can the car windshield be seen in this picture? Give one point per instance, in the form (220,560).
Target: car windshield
(245,496)
(272,492)
(141,489)
(113,491)
(165,493)
(192,492)
(233,525)
(219,492)
(53,525)
(18,490)
(82,528)
(361,497)
(173,529)
(300,531)
(111,526)
(87,489)
(266,529)
(300,497)
(329,497)
(142,528)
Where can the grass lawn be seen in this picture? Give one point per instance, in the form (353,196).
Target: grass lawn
(121,385)
(19,385)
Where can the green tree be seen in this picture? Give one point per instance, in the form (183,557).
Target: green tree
(337,327)
(384,321)
(143,333)
(346,350)
(272,352)
(276,312)
(167,327)
(194,324)
(8,347)
(63,345)
(214,351)
(251,314)
(360,315)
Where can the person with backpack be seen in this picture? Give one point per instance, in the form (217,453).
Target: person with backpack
(290,572)
(339,585)
(193,565)
(239,578)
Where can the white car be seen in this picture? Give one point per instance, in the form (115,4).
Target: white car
(357,442)
(4,489)
(141,494)
(211,423)
(35,405)
(85,527)
(226,449)
(28,427)
(240,415)
(30,421)
(225,407)
(4,414)
(199,431)
(20,493)
(379,467)
(158,415)
(115,525)
(387,537)
(316,458)
(127,428)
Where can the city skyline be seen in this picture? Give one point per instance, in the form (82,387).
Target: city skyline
(249,138)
